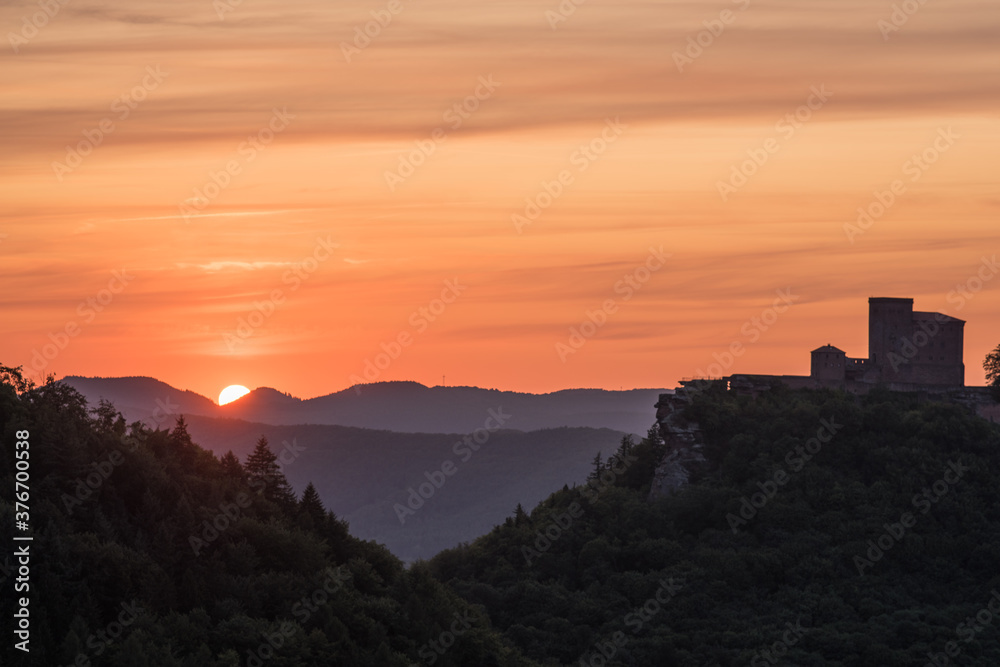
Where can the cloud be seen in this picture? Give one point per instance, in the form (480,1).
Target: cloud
(215,267)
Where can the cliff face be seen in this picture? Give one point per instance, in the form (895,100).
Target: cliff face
(684,444)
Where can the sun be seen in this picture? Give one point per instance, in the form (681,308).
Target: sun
(231,393)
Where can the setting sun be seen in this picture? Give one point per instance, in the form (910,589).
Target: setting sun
(232,392)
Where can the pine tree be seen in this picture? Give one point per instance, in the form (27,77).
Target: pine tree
(265,474)
(625,448)
(261,464)
(658,442)
(179,435)
(184,448)
(312,506)
(520,516)
(654,437)
(231,467)
(598,466)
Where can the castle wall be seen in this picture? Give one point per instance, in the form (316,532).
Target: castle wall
(932,354)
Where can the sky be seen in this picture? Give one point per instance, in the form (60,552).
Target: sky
(527,196)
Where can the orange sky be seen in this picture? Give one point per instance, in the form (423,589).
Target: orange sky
(162,96)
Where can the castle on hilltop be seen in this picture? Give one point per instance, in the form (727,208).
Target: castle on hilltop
(907,351)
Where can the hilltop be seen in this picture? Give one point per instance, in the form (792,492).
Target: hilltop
(825,529)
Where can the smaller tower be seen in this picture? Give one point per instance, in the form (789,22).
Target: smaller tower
(828,363)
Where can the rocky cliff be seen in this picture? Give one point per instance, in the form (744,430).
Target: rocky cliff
(683,439)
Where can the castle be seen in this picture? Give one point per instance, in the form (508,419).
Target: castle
(907,351)
(904,347)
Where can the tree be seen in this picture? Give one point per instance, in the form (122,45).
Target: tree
(654,436)
(179,435)
(231,466)
(992,367)
(185,451)
(108,420)
(625,448)
(598,466)
(265,475)
(312,506)
(521,517)
(59,413)
(15,378)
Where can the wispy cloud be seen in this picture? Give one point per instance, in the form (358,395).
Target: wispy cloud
(214,267)
(323,178)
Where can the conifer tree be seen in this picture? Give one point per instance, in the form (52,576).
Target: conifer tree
(184,448)
(520,516)
(231,466)
(265,474)
(179,435)
(598,466)
(312,506)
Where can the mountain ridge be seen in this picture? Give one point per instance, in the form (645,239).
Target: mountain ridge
(401,406)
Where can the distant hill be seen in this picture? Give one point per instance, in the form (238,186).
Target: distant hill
(361,474)
(407,407)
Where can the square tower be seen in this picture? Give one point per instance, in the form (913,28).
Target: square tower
(890,323)
(917,348)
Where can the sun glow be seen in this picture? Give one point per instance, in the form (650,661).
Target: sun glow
(231,393)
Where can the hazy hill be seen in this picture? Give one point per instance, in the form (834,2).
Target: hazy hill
(407,407)
(361,474)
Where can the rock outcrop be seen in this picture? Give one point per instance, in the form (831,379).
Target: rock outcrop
(683,439)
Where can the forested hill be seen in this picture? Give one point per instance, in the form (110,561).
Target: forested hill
(149,551)
(829,530)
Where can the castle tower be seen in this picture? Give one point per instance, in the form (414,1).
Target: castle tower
(828,363)
(918,348)
(938,350)
(890,323)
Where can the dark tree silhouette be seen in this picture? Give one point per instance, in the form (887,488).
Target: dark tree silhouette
(992,367)
(598,466)
(107,419)
(181,441)
(312,506)
(14,378)
(265,474)
(231,466)
(521,517)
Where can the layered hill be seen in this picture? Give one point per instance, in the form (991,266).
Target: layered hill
(407,407)
(418,493)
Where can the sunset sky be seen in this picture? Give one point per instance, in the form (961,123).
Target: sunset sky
(199,191)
